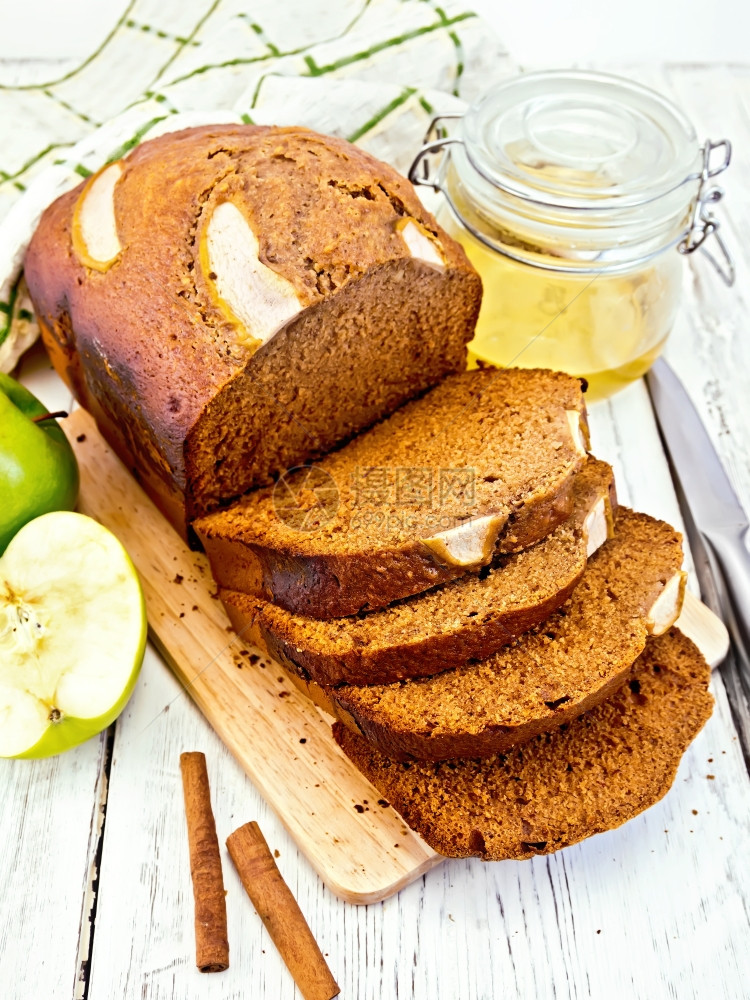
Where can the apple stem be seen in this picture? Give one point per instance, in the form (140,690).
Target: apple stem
(56,415)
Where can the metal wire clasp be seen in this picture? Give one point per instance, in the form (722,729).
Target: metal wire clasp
(436,138)
(703,222)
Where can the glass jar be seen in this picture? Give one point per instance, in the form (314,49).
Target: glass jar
(574,194)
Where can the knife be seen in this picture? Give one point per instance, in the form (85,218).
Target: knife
(718,518)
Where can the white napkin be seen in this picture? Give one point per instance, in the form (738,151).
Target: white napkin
(372,71)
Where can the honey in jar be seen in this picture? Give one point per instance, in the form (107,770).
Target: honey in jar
(572,193)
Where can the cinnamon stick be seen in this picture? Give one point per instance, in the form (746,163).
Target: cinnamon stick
(280,912)
(211,944)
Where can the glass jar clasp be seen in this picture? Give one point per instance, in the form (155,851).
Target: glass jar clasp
(436,138)
(703,222)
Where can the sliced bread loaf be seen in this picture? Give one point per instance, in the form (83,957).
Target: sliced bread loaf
(632,587)
(483,463)
(231,300)
(580,779)
(467,618)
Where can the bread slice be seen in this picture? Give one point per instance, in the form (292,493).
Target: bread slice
(632,587)
(471,617)
(580,779)
(483,463)
(231,300)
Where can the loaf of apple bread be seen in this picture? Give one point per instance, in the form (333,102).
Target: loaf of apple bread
(230,301)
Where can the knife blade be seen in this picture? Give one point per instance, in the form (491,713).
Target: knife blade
(716,512)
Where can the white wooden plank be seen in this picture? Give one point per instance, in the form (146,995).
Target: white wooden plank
(49,831)
(710,348)
(625,434)
(710,345)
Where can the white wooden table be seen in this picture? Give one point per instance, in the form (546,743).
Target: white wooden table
(95,897)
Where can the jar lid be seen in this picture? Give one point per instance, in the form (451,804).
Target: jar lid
(578,139)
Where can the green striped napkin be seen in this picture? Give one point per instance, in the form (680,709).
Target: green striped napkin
(372,71)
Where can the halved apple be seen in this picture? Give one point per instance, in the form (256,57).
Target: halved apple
(72,634)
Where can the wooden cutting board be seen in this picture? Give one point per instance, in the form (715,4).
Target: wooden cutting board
(362,849)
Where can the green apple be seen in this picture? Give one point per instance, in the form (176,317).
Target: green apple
(72,634)
(38,470)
